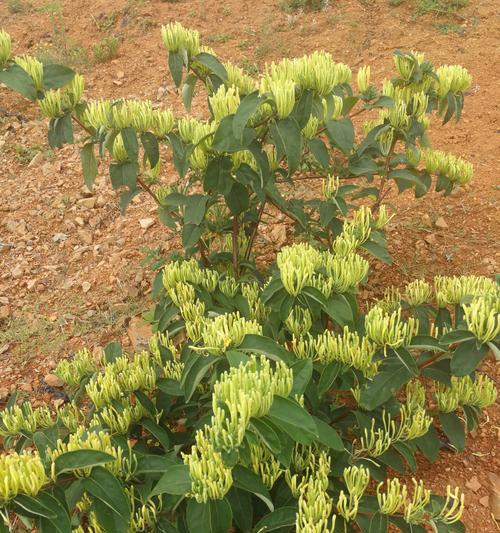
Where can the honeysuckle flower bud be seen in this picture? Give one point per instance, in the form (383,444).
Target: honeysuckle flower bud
(418,292)
(311,128)
(457,170)
(483,319)
(346,272)
(297,264)
(299,321)
(283,92)
(227,331)
(272,159)
(71,416)
(182,294)
(72,371)
(323,284)
(372,443)
(286,69)
(345,244)
(176,37)
(391,300)
(415,395)
(332,107)
(413,423)
(243,156)
(118,150)
(163,122)
(228,287)
(20,473)
(383,217)
(413,155)
(480,393)
(405,63)
(119,420)
(304,347)
(414,508)
(142,517)
(385,140)
(15,419)
(265,465)
(330,187)
(347,508)
(251,291)
(5,47)
(363,79)
(209,280)
(359,228)
(454,289)
(419,103)
(452,78)
(393,498)
(447,398)
(453,506)
(356,480)
(74,90)
(33,68)
(389,330)
(236,77)
(182,271)
(224,102)
(98,114)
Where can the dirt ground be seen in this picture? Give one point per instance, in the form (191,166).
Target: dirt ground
(70,264)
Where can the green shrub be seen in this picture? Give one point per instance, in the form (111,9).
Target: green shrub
(268,400)
(439,6)
(106,49)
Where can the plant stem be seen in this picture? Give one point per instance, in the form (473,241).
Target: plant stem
(235,233)
(429,362)
(255,228)
(387,165)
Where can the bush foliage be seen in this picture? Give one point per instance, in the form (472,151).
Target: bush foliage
(268,401)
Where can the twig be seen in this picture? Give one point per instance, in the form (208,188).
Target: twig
(254,231)
(234,236)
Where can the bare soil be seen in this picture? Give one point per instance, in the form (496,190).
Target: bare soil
(70,264)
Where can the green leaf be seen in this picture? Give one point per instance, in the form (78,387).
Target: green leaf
(175,481)
(152,464)
(215,516)
(328,435)
(294,419)
(302,374)
(124,175)
(213,64)
(129,137)
(196,206)
(18,80)
(56,76)
(406,360)
(282,518)
(188,91)
(429,444)
(33,506)
(194,371)
(89,165)
(341,133)
(453,429)
(319,151)
(191,234)
(151,147)
(225,141)
(218,175)
(267,434)
(112,351)
(363,166)
(466,357)
(126,198)
(248,106)
(76,459)
(406,179)
(60,523)
(158,432)
(60,131)
(339,310)
(246,479)
(380,252)
(456,336)
(238,199)
(176,65)
(286,133)
(259,344)
(328,376)
(110,503)
(376,523)
(241,506)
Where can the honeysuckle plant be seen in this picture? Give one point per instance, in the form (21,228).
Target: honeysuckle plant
(272,401)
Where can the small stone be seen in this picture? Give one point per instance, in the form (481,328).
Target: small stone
(5,312)
(17,272)
(484,501)
(86,286)
(52,380)
(59,237)
(26,387)
(473,484)
(146,222)
(441,223)
(37,160)
(430,238)
(79,221)
(4,393)
(426,219)
(88,203)
(120,74)
(85,236)
(139,333)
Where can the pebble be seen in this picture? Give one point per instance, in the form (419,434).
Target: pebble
(146,223)
(85,236)
(441,223)
(88,203)
(86,286)
(52,380)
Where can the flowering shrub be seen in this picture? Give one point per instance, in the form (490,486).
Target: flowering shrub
(262,404)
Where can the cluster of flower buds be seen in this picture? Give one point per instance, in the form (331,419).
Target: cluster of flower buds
(453,507)
(198,133)
(157,342)
(87,439)
(228,286)
(332,107)
(72,371)
(236,77)
(415,395)
(120,378)
(453,290)
(299,321)
(385,140)
(224,102)
(119,417)
(363,79)
(331,187)
(391,301)
(393,498)
(176,38)
(482,317)
(246,391)
(414,508)
(5,47)
(359,228)
(71,416)
(310,130)
(21,473)
(264,464)
(33,68)
(405,63)
(297,264)
(51,104)
(251,291)
(414,423)
(457,170)
(314,514)
(144,513)
(223,332)
(210,477)
(283,92)
(388,330)
(356,480)
(418,292)
(243,157)
(373,442)
(182,294)
(73,92)
(481,393)
(15,419)
(452,78)
(183,272)
(345,272)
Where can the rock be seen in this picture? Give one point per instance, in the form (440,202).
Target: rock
(17,272)
(88,203)
(59,237)
(430,238)
(86,286)
(278,234)
(85,236)
(484,501)
(473,484)
(5,312)
(4,393)
(139,333)
(36,161)
(79,221)
(52,380)
(426,219)
(146,222)
(120,74)
(26,387)
(441,223)
(494,497)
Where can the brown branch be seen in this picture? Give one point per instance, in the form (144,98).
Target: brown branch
(255,228)
(234,236)
(430,361)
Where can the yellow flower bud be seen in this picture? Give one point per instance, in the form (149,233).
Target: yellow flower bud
(33,68)
(388,330)
(283,92)
(20,473)
(5,47)
(452,78)
(224,102)
(163,122)
(418,292)
(236,77)
(363,79)
(176,37)
(51,104)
